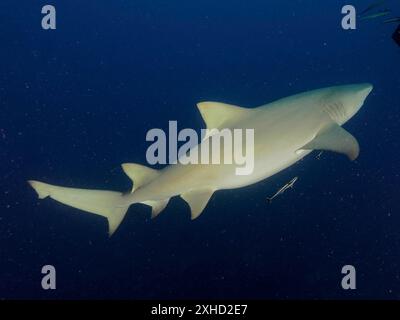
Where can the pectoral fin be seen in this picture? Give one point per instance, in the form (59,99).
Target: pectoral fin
(197,200)
(336,139)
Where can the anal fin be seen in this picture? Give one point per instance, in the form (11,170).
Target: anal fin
(156,206)
(197,200)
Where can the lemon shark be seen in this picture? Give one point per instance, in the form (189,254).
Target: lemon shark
(285,131)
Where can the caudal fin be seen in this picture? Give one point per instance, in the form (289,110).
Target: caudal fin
(105,203)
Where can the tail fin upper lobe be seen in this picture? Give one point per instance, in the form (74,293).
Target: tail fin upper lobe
(104,203)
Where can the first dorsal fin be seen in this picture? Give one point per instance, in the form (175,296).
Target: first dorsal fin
(139,174)
(216,114)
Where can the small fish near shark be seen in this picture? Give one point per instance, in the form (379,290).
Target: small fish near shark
(288,185)
(375,15)
(373,6)
(363,16)
(378,14)
(392,20)
(285,131)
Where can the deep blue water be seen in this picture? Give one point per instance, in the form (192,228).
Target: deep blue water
(77,102)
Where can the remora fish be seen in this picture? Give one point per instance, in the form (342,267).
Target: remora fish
(397,19)
(288,185)
(285,131)
(375,15)
(372,6)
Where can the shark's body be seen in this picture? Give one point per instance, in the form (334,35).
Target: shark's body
(284,132)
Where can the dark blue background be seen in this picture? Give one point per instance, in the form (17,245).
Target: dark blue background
(77,102)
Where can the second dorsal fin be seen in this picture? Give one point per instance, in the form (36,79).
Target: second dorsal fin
(216,114)
(139,174)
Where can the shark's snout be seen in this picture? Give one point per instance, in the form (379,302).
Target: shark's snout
(360,93)
(347,100)
(365,89)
